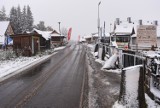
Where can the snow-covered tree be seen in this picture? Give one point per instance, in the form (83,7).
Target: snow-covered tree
(21,21)
(13,14)
(41,26)
(19,24)
(24,22)
(29,19)
(3,16)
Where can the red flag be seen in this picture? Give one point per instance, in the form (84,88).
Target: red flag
(69,33)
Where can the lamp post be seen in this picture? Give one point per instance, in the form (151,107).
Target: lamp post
(110,33)
(59,27)
(98,18)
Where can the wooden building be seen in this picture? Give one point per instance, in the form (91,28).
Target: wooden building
(44,39)
(57,39)
(26,44)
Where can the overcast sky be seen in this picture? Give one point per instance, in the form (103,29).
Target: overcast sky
(81,15)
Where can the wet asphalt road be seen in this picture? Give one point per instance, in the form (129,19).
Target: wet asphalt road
(57,83)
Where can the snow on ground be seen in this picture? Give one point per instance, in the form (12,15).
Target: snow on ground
(154,90)
(12,66)
(151,103)
(59,48)
(9,66)
(92,97)
(100,61)
(118,71)
(91,46)
(117,105)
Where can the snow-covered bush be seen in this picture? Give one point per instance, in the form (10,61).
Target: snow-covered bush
(6,55)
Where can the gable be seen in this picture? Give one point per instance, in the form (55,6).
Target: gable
(6,28)
(9,30)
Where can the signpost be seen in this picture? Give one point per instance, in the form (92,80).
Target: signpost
(147,36)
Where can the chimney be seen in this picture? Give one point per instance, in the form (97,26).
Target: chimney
(155,22)
(140,22)
(129,20)
(117,21)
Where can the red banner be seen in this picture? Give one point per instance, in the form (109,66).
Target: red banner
(69,33)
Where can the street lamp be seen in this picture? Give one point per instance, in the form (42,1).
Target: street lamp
(110,33)
(59,27)
(98,18)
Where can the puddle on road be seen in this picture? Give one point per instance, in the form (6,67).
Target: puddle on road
(36,71)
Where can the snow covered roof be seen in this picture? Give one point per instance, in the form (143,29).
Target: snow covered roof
(3,27)
(95,35)
(82,39)
(88,36)
(56,35)
(45,34)
(124,28)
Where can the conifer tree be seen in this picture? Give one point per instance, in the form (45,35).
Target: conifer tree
(29,19)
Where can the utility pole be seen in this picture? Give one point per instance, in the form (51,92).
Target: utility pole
(98,18)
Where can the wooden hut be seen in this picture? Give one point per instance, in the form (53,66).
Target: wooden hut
(26,44)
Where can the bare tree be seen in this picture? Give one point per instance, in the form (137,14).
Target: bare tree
(64,31)
(49,28)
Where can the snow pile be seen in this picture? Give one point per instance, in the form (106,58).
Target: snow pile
(110,63)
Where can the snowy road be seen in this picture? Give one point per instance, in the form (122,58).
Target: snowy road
(56,83)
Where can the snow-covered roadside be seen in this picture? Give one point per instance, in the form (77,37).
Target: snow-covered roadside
(14,66)
(131,83)
(92,96)
(103,86)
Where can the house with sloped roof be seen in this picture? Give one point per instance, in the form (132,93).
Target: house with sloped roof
(26,44)
(5,30)
(57,39)
(44,39)
(125,33)
(122,32)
